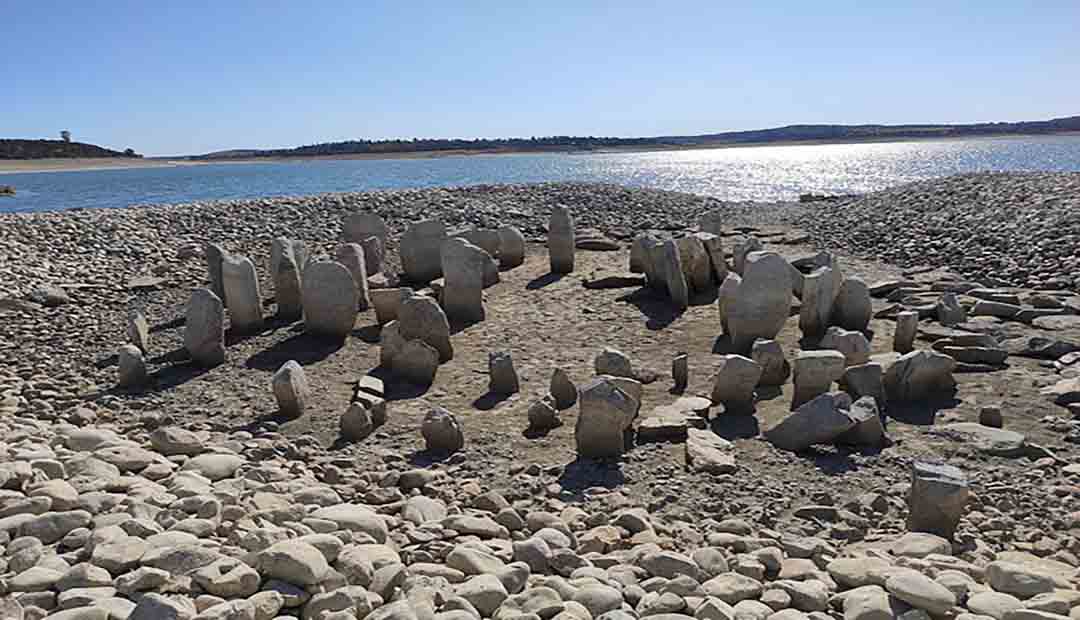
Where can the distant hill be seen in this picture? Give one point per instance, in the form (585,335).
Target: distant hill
(56,149)
(791,133)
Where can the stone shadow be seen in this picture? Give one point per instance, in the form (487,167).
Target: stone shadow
(489,401)
(303,347)
(179,321)
(544,280)
(920,412)
(611,282)
(658,310)
(724,346)
(583,474)
(395,388)
(370,334)
(733,426)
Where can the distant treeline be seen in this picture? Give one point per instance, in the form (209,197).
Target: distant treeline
(791,133)
(56,149)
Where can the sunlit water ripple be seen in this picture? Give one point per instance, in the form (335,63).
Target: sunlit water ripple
(755,173)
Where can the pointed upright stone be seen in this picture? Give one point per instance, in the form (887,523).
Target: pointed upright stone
(138,330)
(215,254)
(242,293)
(818,295)
(420,318)
(352,256)
(563,389)
(286,271)
(463,294)
(511,247)
(204,328)
(561,240)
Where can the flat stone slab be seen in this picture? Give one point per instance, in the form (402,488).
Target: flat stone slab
(708,452)
(1057,323)
(989,440)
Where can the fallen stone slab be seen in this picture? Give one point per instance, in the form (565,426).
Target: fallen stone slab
(821,420)
(708,452)
(988,440)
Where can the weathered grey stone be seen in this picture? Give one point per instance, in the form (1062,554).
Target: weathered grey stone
(563,389)
(420,318)
(992,441)
(744,246)
(708,452)
(949,310)
(214,255)
(714,247)
(869,431)
(642,251)
(819,293)
(814,373)
(374,253)
(561,244)
(936,499)
(853,344)
(907,326)
(734,382)
(853,308)
(285,269)
(330,299)
(364,224)
(920,374)
(351,255)
(130,367)
(463,266)
(416,362)
(441,431)
(357,422)
(821,420)
(138,330)
(154,606)
(775,368)
(242,293)
(290,389)
(762,303)
(696,266)
(387,302)
(502,378)
(680,372)
(864,380)
(511,247)
(1018,579)
(725,298)
(613,362)
(606,412)
(667,264)
(421,250)
(543,415)
(204,328)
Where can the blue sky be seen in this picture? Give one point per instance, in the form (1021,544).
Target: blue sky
(186,77)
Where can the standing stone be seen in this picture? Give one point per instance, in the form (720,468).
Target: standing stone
(486,240)
(814,374)
(421,250)
(744,246)
(696,266)
(204,328)
(864,380)
(138,330)
(762,303)
(606,413)
(351,255)
(242,293)
(818,295)
(131,367)
(290,389)
(420,318)
(563,389)
(854,345)
(937,499)
(680,372)
(511,247)
(463,294)
(387,302)
(330,299)
(416,362)
(712,222)
(490,269)
(853,308)
(281,246)
(667,266)
(441,431)
(361,225)
(639,252)
(215,254)
(390,344)
(919,375)
(374,251)
(775,368)
(725,297)
(714,247)
(949,311)
(734,382)
(809,264)
(286,271)
(613,362)
(561,240)
(543,415)
(502,378)
(357,422)
(907,325)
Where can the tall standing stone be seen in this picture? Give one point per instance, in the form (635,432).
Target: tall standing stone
(138,330)
(387,302)
(680,372)
(606,412)
(286,271)
(563,389)
(762,303)
(364,224)
(695,262)
(734,382)
(281,246)
(853,344)
(204,328)
(864,380)
(668,273)
(352,256)
(131,367)
(502,378)
(725,298)
(511,247)
(561,240)
(242,293)
(421,318)
(714,247)
(374,252)
(290,389)
(640,252)
(814,373)
(330,299)
(744,246)
(463,294)
(818,295)
(936,501)
(421,250)
(215,254)
(775,368)
(907,325)
(853,308)
(712,222)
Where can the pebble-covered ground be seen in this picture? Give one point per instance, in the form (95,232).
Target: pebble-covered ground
(188,499)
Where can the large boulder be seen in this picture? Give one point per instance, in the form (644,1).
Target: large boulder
(667,275)
(818,296)
(814,373)
(420,318)
(714,247)
(286,275)
(421,250)
(937,498)
(204,328)
(853,344)
(330,299)
(734,382)
(561,240)
(919,375)
(762,303)
(463,268)
(242,293)
(821,420)
(696,265)
(511,247)
(606,412)
(853,308)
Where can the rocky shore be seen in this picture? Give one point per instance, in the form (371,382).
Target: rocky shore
(136,484)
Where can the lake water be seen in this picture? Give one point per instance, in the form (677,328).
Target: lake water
(754,173)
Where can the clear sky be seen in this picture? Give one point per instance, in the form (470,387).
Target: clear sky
(192,76)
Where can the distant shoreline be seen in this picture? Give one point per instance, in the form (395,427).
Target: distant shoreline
(18,166)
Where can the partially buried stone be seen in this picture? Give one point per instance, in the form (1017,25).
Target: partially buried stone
(949,310)
(561,244)
(138,331)
(775,368)
(204,328)
(242,293)
(680,371)
(734,383)
(502,378)
(330,299)
(420,318)
(820,420)
(936,501)
(351,255)
(441,431)
(511,247)
(563,389)
(463,268)
(606,412)
(131,368)
(907,325)
(708,452)
(290,389)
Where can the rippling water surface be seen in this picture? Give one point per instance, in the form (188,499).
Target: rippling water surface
(752,173)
